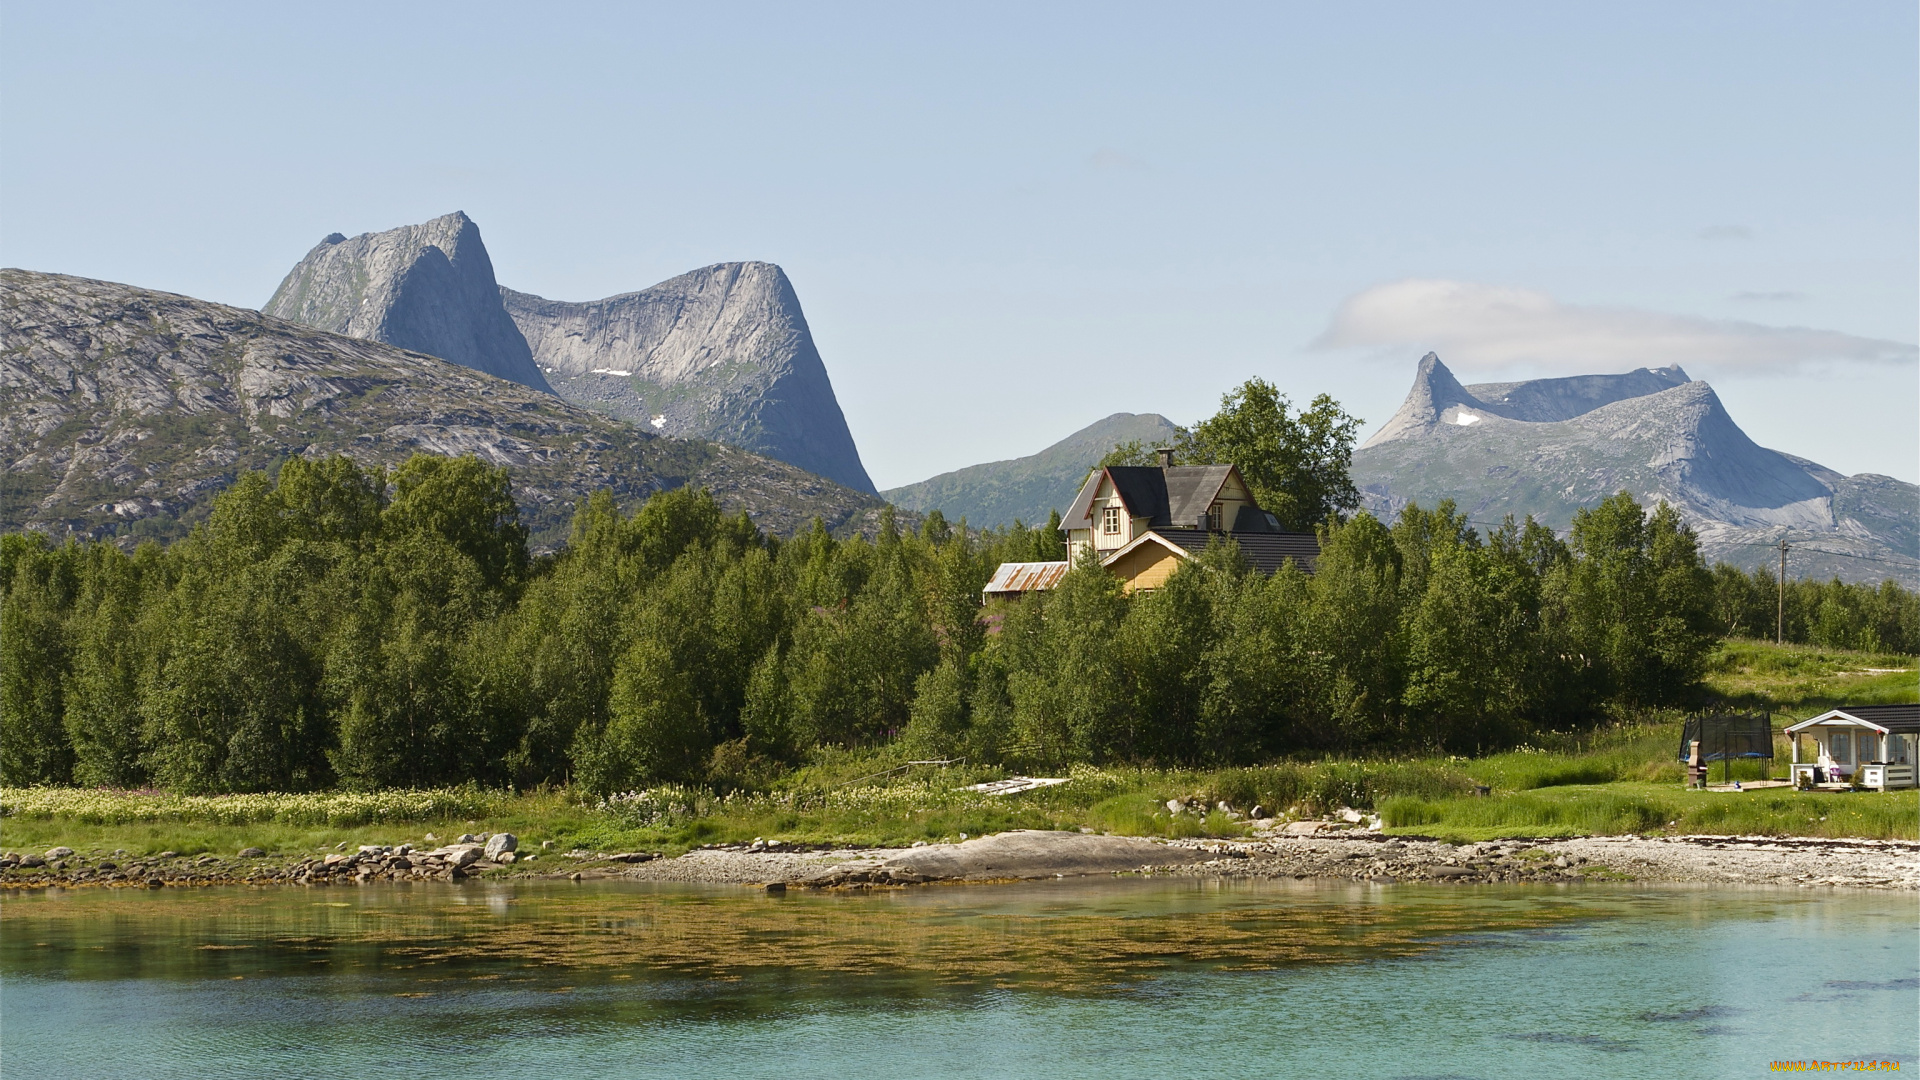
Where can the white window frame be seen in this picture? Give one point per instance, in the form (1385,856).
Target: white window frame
(1110,521)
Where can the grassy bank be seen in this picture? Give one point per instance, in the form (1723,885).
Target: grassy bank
(1614,779)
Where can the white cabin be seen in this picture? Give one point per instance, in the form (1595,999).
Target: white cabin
(1879,743)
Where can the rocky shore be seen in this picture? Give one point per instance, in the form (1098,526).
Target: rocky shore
(1355,855)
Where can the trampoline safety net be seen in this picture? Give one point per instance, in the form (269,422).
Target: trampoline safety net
(1729,736)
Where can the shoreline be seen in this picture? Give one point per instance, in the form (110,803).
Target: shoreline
(1025,855)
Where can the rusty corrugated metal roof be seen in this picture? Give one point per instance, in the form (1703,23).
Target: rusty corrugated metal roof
(1025,577)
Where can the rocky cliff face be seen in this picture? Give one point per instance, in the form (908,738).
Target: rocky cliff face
(428,288)
(721,353)
(1027,489)
(123,411)
(1551,446)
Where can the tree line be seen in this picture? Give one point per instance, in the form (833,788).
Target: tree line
(346,626)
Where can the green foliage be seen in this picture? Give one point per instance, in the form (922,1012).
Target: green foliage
(343,627)
(1295,462)
(1834,614)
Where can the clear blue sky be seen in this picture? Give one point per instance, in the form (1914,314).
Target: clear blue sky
(1006,222)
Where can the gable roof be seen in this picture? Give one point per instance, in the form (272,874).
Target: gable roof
(1904,719)
(1164,497)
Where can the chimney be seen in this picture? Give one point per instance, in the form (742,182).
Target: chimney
(1203,522)
(1166,456)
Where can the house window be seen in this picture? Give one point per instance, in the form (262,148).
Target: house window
(1840,747)
(1110,521)
(1214,517)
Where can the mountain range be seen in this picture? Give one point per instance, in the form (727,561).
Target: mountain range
(1549,447)
(722,353)
(1029,488)
(124,410)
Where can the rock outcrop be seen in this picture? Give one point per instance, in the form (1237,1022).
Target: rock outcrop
(126,410)
(1027,489)
(1552,446)
(427,287)
(721,353)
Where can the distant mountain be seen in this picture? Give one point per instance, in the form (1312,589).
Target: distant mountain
(1028,488)
(428,288)
(721,353)
(1548,447)
(123,411)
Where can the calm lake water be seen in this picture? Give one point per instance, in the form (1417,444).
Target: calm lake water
(1128,978)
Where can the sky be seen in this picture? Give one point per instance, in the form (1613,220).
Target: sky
(1005,222)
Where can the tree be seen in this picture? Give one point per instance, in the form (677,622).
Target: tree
(1296,463)
(1639,600)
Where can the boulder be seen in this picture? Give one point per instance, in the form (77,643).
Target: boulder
(252,853)
(59,852)
(501,843)
(505,858)
(463,856)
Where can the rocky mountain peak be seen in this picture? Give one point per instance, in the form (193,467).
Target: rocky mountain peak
(1551,447)
(427,287)
(723,352)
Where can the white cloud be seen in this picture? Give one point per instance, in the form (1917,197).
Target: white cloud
(1474,326)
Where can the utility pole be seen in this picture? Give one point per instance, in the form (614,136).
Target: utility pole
(1780,614)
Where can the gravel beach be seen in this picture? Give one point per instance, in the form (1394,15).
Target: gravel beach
(1354,855)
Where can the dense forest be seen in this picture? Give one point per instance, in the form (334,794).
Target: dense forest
(341,626)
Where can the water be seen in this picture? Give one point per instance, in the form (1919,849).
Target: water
(1062,979)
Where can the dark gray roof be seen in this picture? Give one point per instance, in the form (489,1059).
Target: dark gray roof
(1904,719)
(1264,551)
(1176,496)
(1191,490)
(1254,519)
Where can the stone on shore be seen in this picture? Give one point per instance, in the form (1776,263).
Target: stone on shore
(501,843)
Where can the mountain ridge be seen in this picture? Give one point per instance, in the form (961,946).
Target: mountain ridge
(126,410)
(1655,433)
(997,493)
(723,352)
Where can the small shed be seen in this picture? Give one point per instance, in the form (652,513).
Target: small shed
(1878,744)
(1016,579)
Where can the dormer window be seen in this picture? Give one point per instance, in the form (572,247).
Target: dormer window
(1214,518)
(1110,521)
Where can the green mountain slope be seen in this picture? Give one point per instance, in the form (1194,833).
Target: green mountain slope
(1028,488)
(124,410)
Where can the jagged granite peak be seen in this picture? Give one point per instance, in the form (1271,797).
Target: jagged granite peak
(123,411)
(722,353)
(426,287)
(1437,397)
(1545,400)
(1654,433)
(1027,488)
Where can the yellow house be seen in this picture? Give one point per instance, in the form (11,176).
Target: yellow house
(1144,521)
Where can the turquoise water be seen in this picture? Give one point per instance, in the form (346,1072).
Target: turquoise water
(1064,979)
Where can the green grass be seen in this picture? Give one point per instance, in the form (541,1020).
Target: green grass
(1806,680)
(1660,809)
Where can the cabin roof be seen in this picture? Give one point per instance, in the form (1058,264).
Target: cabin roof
(1903,719)
(1021,577)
